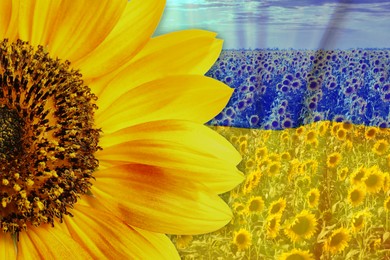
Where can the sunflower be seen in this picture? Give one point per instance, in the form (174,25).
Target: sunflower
(370,132)
(261,152)
(358,175)
(242,239)
(255,204)
(356,195)
(297,254)
(311,137)
(273,168)
(277,207)
(341,134)
(342,173)
(313,197)
(272,225)
(303,226)
(374,179)
(380,147)
(333,159)
(99,156)
(359,220)
(337,241)
(251,181)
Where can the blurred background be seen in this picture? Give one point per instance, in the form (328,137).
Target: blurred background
(301,24)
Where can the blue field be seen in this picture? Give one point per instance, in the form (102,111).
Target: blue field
(277,89)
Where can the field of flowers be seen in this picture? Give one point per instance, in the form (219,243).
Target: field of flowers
(321,191)
(312,129)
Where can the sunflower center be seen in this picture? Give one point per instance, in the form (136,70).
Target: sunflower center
(337,239)
(302,226)
(47,137)
(295,257)
(11,127)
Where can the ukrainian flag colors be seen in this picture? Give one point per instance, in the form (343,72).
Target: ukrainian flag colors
(312,129)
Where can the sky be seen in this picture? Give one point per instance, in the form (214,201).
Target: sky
(284,24)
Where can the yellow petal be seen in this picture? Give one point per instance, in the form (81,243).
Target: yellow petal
(133,30)
(48,243)
(36,20)
(177,53)
(9,12)
(148,198)
(185,97)
(81,26)
(106,237)
(7,247)
(191,151)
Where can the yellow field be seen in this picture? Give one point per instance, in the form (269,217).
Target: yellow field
(320,191)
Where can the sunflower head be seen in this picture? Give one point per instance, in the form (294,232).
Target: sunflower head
(356,195)
(337,241)
(333,159)
(242,239)
(48,139)
(380,147)
(303,226)
(255,205)
(342,173)
(272,225)
(358,220)
(358,175)
(311,136)
(273,168)
(277,206)
(313,197)
(297,254)
(370,132)
(374,179)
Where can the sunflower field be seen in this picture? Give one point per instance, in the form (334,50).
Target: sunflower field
(312,127)
(320,191)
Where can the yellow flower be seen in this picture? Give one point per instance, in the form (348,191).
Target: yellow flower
(338,241)
(242,239)
(311,137)
(272,225)
(333,159)
(300,130)
(313,196)
(380,147)
(297,254)
(356,195)
(255,204)
(238,207)
(386,204)
(303,226)
(373,179)
(101,122)
(370,132)
(358,175)
(251,181)
(285,156)
(341,134)
(273,168)
(342,173)
(359,220)
(323,127)
(277,207)
(261,153)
